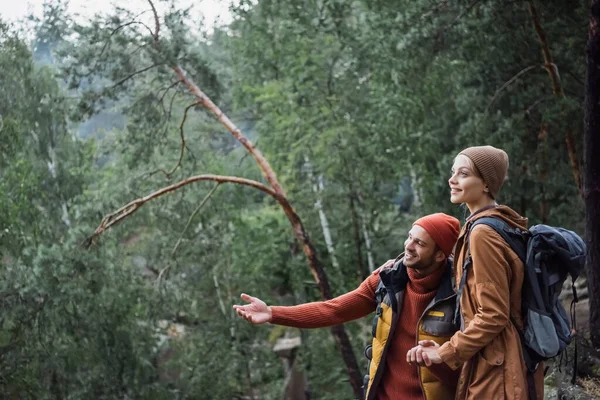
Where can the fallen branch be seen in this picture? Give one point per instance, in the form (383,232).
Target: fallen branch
(131,207)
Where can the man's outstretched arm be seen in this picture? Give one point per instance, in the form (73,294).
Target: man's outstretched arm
(319,314)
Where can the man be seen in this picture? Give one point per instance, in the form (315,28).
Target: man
(414,300)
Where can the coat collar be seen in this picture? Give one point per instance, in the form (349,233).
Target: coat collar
(396,277)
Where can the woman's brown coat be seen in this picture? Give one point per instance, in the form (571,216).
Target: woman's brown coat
(489,348)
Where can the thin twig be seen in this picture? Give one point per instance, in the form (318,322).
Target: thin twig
(461,14)
(508,83)
(182,138)
(118,28)
(121,81)
(167,90)
(535,103)
(208,196)
(131,207)
(107,41)
(166,269)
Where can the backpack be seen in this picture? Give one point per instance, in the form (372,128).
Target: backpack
(549,254)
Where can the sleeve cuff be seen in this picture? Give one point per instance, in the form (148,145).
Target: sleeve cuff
(448,355)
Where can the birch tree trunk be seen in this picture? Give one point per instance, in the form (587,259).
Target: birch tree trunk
(318,188)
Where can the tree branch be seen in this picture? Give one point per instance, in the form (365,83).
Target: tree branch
(130,208)
(183,146)
(122,81)
(118,28)
(167,90)
(208,196)
(508,83)
(107,41)
(461,14)
(204,100)
(164,270)
(156,23)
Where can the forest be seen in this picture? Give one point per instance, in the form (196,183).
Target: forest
(153,168)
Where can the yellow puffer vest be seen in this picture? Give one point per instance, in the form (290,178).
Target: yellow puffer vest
(436,324)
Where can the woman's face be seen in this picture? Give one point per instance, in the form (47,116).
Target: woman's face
(466,186)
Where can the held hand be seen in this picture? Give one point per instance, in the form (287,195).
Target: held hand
(256,312)
(425,354)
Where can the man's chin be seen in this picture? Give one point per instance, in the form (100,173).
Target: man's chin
(412,265)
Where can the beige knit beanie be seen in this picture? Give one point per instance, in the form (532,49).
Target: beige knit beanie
(491,163)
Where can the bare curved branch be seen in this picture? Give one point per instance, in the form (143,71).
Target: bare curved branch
(183,146)
(128,209)
(508,83)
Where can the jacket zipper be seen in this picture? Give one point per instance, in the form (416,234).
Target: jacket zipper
(417,339)
(381,366)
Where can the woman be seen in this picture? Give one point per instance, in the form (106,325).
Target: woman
(488,346)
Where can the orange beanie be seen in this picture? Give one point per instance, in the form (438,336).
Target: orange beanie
(442,228)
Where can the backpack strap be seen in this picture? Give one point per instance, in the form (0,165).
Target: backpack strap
(513,237)
(458,320)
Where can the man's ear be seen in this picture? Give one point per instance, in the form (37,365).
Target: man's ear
(440,256)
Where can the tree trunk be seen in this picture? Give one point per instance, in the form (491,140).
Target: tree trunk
(592,169)
(363,273)
(415,182)
(317,187)
(557,89)
(365,232)
(543,171)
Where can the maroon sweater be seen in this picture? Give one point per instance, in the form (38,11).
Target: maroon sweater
(401,380)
